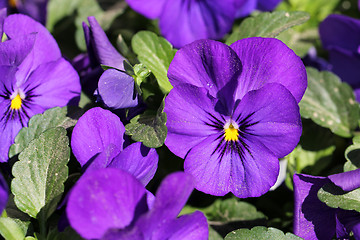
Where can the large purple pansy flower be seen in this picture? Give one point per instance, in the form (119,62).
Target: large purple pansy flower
(233,112)
(340,35)
(36,9)
(97,142)
(313,219)
(110,204)
(35,77)
(184,21)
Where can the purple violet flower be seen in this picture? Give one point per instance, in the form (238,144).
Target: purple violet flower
(182,22)
(36,9)
(35,77)
(313,219)
(340,35)
(233,112)
(245,7)
(110,204)
(97,142)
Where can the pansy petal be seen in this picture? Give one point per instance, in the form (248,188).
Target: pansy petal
(117,89)
(267,5)
(45,48)
(210,170)
(209,64)
(138,160)
(37,9)
(171,197)
(104,50)
(133,233)
(190,226)
(267,60)
(350,220)
(190,112)
(348,181)
(102,159)
(340,31)
(312,218)
(271,116)
(245,7)
(4,193)
(94,131)
(102,200)
(3,13)
(149,8)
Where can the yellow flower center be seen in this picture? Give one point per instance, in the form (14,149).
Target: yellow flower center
(231,133)
(13,3)
(16,102)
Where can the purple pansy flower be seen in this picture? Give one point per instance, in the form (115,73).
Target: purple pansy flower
(35,77)
(4,193)
(340,35)
(245,7)
(182,22)
(98,142)
(313,219)
(36,9)
(233,112)
(110,204)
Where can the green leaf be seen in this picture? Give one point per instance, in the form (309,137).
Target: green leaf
(330,103)
(40,173)
(10,230)
(267,25)
(213,235)
(67,234)
(260,233)
(352,155)
(55,117)
(156,53)
(335,197)
(59,9)
(148,128)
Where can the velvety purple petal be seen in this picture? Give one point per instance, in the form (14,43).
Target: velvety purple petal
(357,94)
(133,233)
(94,131)
(348,181)
(245,7)
(54,84)
(209,64)
(104,50)
(149,8)
(4,193)
(267,60)
(35,9)
(102,200)
(183,22)
(138,160)
(189,112)
(211,172)
(312,218)
(45,48)
(3,3)
(267,5)
(89,47)
(351,221)
(171,197)
(117,89)
(14,51)
(346,65)
(191,226)
(3,13)
(340,31)
(271,116)
(102,159)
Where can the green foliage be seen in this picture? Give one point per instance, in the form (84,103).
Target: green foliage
(65,117)
(260,233)
(155,53)
(40,173)
(335,197)
(352,155)
(148,128)
(10,230)
(330,103)
(267,25)
(213,235)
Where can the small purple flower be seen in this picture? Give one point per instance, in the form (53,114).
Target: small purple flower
(313,219)
(340,35)
(35,77)
(111,204)
(36,9)
(233,112)
(97,142)
(245,7)
(182,22)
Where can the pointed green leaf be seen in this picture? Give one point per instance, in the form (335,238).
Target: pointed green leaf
(352,155)
(335,197)
(260,233)
(213,235)
(148,128)
(10,230)
(156,53)
(55,117)
(40,173)
(330,103)
(267,25)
